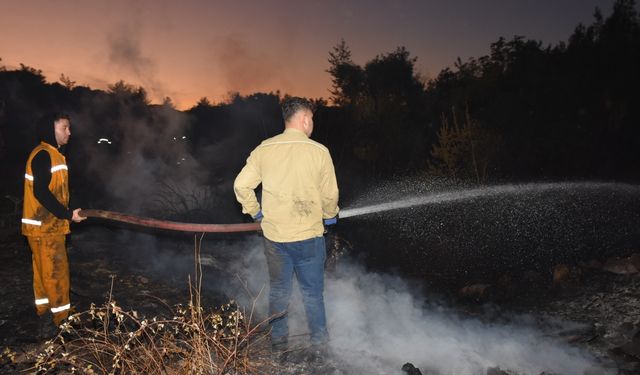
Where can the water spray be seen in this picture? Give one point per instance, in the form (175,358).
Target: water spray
(480,192)
(436,198)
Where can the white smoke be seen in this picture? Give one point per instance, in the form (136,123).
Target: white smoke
(377,323)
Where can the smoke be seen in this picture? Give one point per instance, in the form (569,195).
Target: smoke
(145,150)
(125,54)
(379,322)
(247,68)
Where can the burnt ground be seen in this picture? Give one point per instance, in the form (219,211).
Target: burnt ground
(604,305)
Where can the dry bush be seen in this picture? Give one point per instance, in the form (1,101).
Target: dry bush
(109,340)
(186,200)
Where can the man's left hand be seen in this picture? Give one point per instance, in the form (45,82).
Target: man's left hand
(329,224)
(76,215)
(331,221)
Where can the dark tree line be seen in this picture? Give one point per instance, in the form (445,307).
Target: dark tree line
(528,110)
(522,112)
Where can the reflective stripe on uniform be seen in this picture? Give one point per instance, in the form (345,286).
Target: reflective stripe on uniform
(32,222)
(42,301)
(61,308)
(28,177)
(59,168)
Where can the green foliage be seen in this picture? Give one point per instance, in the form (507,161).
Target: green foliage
(463,151)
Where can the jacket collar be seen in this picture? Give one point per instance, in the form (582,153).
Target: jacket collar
(294,131)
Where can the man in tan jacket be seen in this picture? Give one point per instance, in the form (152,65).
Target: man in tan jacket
(299,197)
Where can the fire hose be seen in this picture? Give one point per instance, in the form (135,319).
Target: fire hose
(170,225)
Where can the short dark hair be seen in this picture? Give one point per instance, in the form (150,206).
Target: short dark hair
(294,104)
(60,116)
(46,125)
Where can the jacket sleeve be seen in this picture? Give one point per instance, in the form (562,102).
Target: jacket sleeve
(329,189)
(41,168)
(244,186)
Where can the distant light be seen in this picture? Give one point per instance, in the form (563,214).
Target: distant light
(175,139)
(184,137)
(104,140)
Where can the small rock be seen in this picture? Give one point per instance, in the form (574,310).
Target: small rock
(564,275)
(560,273)
(623,266)
(477,291)
(410,369)
(495,371)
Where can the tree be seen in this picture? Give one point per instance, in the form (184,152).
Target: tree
(168,102)
(67,82)
(204,102)
(129,93)
(347,77)
(464,151)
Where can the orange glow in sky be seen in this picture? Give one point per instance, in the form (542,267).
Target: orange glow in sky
(186,50)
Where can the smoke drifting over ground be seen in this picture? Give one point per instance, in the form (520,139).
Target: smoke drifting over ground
(378,322)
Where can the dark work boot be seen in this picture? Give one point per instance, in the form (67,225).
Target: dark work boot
(47,330)
(316,355)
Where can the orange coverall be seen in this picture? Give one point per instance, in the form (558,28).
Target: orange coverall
(46,236)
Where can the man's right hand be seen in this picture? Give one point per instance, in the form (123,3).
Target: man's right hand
(76,216)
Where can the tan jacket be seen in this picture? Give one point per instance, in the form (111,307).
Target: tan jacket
(299,187)
(37,220)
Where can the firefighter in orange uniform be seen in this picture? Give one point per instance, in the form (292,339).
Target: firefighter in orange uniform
(46,217)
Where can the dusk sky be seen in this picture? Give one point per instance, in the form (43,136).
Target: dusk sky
(190,49)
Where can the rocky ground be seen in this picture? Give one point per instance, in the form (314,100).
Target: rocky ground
(602,299)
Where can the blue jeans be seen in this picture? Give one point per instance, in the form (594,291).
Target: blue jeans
(305,259)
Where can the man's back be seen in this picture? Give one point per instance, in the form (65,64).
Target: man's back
(298,186)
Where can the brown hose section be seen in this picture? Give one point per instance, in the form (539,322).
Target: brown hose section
(170,225)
